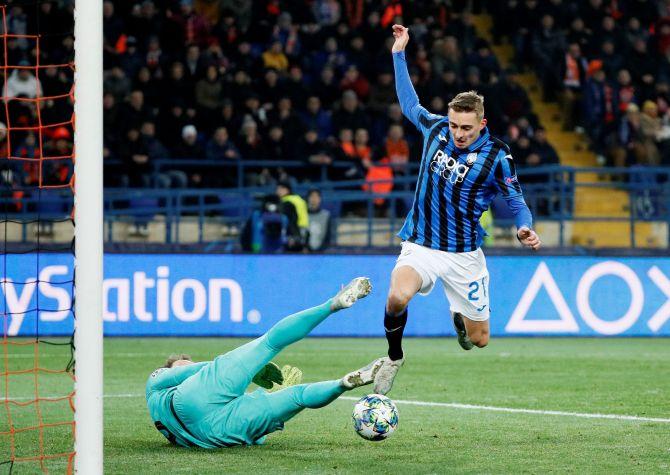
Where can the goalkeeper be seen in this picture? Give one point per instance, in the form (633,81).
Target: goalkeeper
(205,405)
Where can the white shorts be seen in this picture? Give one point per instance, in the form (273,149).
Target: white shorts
(464,277)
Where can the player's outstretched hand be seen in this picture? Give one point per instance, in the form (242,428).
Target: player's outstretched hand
(269,374)
(291,376)
(401,35)
(529,238)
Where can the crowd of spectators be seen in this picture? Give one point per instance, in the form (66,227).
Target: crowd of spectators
(607,62)
(36,126)
(224,81)
(312,81)
(305,80)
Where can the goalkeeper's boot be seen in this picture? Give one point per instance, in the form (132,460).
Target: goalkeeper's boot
(354,290)
(386,374)
(291,376)
(461,333)
(363,376)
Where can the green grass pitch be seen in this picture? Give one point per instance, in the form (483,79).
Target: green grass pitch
(604,376)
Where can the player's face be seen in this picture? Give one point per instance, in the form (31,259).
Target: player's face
(181,363)
(465,127)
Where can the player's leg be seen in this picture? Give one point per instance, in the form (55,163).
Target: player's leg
(230,374)
(250,417)
(405,283)
(288,402)
(412,274)
(466,286)
(285,404)
(476,332)
(461,331)
(296,327)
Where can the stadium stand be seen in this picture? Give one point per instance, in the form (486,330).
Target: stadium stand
(597,73)
(267,78)
(241,95)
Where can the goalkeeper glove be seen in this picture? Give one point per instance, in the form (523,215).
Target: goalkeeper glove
(269,374)
(292,376)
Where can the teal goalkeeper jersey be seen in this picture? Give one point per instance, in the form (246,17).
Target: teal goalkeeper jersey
(160,389)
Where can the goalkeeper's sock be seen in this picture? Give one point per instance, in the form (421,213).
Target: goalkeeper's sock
(297,326)
(290,401)
(317,395)
(394,326)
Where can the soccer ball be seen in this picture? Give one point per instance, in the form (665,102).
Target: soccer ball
(375,417)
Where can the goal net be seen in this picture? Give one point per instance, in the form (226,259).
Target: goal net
(39,378)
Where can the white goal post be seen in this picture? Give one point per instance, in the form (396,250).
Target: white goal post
(88,237)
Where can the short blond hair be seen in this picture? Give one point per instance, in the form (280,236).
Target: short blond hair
(468,101)
(176,357)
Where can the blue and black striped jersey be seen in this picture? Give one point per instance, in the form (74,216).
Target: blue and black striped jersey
(455,186)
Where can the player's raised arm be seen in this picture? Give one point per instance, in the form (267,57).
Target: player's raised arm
(409,101)
(507,183)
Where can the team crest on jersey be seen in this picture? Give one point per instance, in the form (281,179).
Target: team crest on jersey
(157,372)
(472,158)
(449,168)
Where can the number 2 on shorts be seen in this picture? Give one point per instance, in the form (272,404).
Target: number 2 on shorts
(474,289)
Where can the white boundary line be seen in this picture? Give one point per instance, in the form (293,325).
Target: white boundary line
(455,405)
(475,407)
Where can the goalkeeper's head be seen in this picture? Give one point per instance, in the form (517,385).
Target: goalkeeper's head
(177,359)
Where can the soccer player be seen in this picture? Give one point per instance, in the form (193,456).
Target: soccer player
(462,169)
(205,405)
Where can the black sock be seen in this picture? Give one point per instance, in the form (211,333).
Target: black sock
(394,325)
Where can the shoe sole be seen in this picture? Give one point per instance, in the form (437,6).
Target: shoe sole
(356,379)
(461,333)
(357,289)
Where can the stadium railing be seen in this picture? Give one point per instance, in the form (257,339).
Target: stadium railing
(243,167)
(549,191)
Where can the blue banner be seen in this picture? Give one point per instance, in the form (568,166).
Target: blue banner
(233,295)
